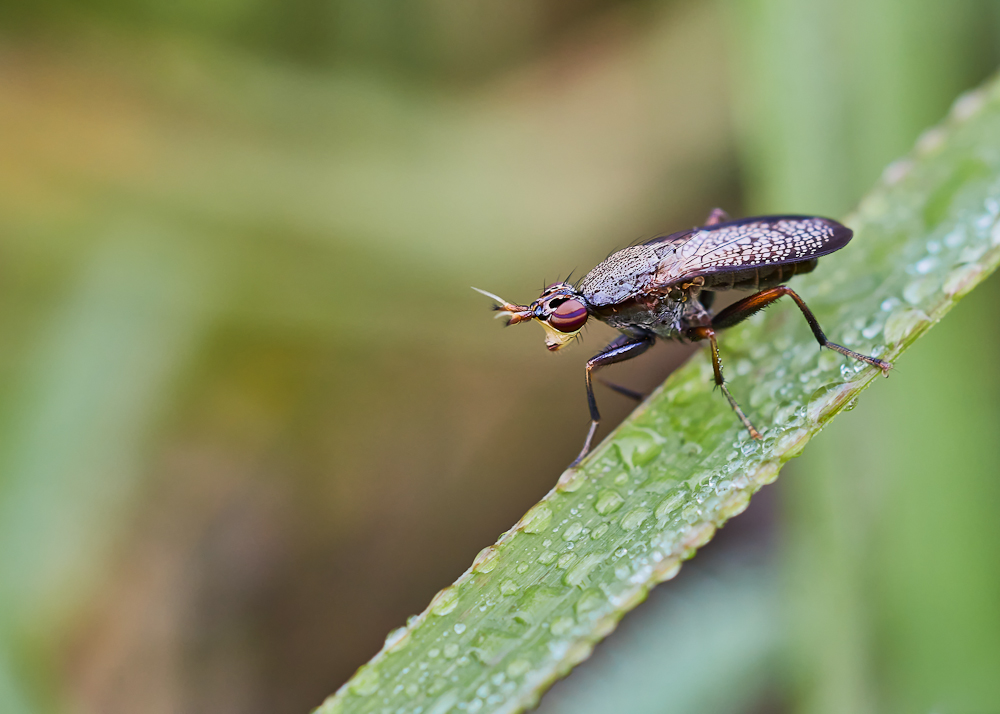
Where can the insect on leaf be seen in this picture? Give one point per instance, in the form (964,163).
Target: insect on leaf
(536,602)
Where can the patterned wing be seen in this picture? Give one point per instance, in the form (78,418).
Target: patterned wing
(747,244)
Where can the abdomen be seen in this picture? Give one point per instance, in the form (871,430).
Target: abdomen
(758,278)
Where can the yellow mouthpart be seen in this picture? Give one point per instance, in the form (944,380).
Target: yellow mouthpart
(554,339)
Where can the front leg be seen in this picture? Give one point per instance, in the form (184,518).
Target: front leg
(619,350)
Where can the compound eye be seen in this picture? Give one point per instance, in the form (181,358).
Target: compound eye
(569,316)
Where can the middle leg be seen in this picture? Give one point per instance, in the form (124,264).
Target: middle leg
(707,333)
(618,350)
(624,391)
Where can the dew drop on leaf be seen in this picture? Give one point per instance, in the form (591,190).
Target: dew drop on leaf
(365,682)
(635,518)
(444,602)
(608,502)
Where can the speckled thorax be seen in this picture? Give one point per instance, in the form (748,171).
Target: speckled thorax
(618,292)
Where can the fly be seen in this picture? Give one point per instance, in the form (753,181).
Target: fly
(665,288)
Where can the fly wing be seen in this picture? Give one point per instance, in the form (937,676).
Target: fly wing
(747,244)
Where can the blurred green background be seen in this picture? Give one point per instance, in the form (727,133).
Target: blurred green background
(252,417)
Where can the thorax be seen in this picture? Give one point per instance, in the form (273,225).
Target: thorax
(620,292)
(666,316)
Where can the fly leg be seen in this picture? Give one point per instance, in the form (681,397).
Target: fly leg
(739,311)
(707,333)
(624,391)
(716,216)
(619,350)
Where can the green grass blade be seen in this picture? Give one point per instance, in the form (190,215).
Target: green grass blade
(534,604)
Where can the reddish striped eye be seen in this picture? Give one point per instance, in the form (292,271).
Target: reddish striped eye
(569,316)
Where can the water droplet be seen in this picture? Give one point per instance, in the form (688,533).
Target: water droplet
(522,568)
(562,625)
(849,369)
(571,481)
(474,706)
(534,606)
(546,557)
(637,448)
(508,587)
(635,518)
(669,505)
(537,519)
(599,531)
(871,331)
(394,637)
(411,689)
(608,502)
(691,448)
(491,646)
(784,414)
(434,652)
(444,602)
(621,478)
(459,628)
(485,561)
(901,324)
(451,650)
(566,560)
(573,531)
(955,238)
(577,575)
(962,279)
(364,682)
(792,442)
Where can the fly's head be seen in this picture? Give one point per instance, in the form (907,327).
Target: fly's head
(560,309)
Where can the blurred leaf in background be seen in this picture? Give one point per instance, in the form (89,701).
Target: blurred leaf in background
(253,417)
